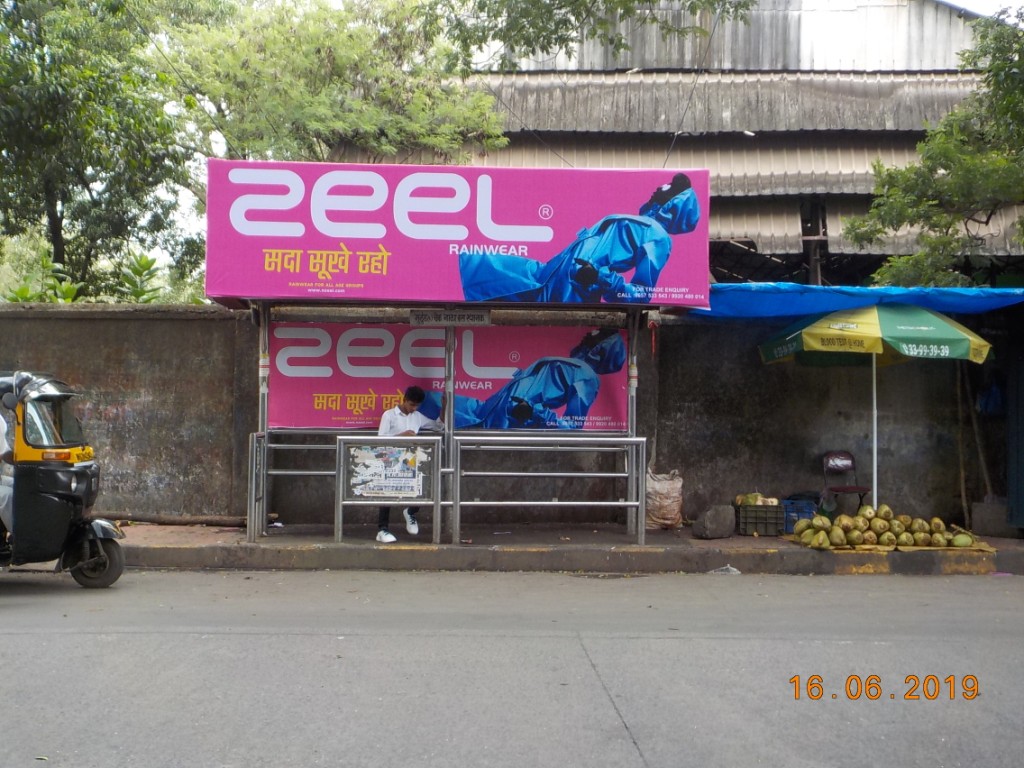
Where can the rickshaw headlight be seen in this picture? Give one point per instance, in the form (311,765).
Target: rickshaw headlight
(61,481)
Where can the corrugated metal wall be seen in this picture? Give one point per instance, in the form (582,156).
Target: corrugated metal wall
(790,36)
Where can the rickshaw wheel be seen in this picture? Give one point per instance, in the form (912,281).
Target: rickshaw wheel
(102,574)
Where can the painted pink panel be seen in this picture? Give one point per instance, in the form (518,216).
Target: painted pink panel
(335,375)
(423,234)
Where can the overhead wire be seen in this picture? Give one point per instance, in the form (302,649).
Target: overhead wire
(696,79)
(531,131)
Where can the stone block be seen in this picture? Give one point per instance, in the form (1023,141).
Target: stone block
(716,522)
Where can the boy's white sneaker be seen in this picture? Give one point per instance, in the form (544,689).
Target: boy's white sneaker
(411,525)
(386,537)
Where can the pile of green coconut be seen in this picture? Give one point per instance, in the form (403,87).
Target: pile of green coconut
(879,527)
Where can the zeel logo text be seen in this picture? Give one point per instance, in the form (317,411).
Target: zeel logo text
(424,205)
(366,352)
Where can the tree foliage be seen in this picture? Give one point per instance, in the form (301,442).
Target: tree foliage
(971,167)
(308,80)
(85,143)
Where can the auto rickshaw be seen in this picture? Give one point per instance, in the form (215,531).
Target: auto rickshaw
(50,485)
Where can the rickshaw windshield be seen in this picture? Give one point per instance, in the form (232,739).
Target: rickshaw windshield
(51,423)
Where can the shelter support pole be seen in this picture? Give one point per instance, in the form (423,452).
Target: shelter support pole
(449,478)
(256,502)
(632,332)
(259,480)
(263,321)
(635,470)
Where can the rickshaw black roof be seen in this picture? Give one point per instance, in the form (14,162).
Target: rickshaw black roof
(33,385)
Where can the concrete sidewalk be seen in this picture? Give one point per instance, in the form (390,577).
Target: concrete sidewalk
(577,547)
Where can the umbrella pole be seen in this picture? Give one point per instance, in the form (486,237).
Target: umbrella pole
(874,430)
(965,506)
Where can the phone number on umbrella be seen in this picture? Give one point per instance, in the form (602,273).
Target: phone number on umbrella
(924,350)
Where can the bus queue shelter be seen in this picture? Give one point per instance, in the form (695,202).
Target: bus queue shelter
(513,297)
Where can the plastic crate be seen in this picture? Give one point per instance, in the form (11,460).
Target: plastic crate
(798,509)
(762,520)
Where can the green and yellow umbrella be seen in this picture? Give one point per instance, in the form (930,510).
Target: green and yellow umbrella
(888,333)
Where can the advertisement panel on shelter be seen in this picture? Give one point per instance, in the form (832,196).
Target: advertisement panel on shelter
(421,234)
(341,376)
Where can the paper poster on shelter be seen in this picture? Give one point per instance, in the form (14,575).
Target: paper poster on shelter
(386,471)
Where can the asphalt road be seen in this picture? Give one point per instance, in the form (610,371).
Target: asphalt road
(510,669)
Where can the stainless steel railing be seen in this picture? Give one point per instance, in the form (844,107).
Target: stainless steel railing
(448,496)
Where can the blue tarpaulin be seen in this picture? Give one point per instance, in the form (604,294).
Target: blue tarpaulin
(752,300)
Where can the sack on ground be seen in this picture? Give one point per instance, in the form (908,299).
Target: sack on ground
(664,500)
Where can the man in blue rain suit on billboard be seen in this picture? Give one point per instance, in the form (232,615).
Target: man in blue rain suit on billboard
(528,400)
(592,268)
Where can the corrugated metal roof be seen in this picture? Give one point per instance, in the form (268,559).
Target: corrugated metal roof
(717,102)
(773,224)
(740,166)
(789,35)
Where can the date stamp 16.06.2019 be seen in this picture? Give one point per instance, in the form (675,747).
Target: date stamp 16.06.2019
(872,688)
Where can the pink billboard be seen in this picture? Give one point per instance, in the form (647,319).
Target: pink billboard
(452,234)
(340,376)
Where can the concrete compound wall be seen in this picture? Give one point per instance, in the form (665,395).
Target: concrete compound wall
(170,397)
(732,425)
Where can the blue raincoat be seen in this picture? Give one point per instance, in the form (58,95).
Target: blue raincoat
(529,399)
(601,349)
(592,268)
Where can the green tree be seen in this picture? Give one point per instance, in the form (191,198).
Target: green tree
(306,80)
(971,166)
(85,142)
(19,256)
